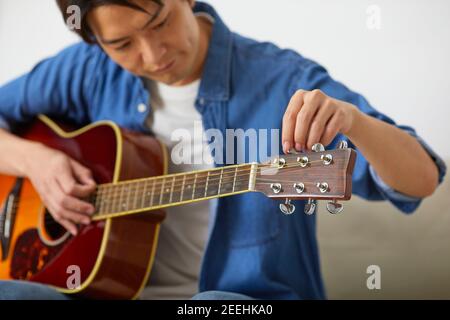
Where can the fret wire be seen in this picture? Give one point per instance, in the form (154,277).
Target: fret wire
(246,170)
(206,187)
(107,201)
(182,188)
(136,196)
(153,193)
(122,193)
(102,201)
(144,196)
(111,195)
(135,184)
(193,186)
(162,191)
(126,204)
(241,168)
(181,202)
(171,189)
(220,180)
(241,181)
(109,198)
(234,179)
(116,199)
(225,176)
(199,198)
(154,182)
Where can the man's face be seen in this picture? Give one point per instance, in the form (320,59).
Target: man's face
(161,45)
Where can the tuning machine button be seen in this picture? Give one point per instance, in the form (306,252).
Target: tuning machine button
(318,147)
(303,161)
(276,187)
(287,207)
(323,187)
(279,162)
(334,207)
(327,159)
(299,187)
(310,207)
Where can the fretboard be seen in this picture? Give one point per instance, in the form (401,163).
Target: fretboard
(134,196)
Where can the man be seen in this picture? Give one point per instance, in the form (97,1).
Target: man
(153,66)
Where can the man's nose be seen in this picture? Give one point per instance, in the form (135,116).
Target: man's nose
(152,53)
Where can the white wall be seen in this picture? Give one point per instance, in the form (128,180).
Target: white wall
(402,68)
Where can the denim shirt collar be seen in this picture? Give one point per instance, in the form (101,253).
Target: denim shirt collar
(215,79)
(215,83)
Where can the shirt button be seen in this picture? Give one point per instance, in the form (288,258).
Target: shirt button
(201,101)
(142,108)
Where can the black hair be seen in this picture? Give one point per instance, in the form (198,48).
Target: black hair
(86,6)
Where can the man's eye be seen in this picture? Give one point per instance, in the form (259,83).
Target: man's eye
(123,47)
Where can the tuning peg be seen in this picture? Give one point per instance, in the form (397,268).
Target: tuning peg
(343,144)
(310,207)
(334,207)
(287,207)
(318,147)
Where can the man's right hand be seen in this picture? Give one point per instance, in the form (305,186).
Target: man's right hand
(61,182)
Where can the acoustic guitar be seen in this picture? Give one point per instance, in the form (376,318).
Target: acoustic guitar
(115,252)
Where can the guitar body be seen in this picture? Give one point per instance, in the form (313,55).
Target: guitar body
(111,257)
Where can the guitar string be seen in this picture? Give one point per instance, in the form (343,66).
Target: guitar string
(50,220)
(171,185)
(180,202)
(230,174)
(117,207)
(224,177)
(169,176)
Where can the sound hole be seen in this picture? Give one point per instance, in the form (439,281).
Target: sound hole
(53,229)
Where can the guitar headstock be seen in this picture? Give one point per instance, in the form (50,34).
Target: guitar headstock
(312,175)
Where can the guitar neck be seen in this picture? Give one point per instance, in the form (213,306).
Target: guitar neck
(141,195)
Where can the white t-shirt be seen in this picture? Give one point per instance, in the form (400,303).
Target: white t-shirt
(184,232)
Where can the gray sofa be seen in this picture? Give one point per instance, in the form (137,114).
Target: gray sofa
(412,251)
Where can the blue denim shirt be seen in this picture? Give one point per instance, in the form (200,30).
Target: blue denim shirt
(252,249)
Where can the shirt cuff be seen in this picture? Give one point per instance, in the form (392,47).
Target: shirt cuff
(402,201)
